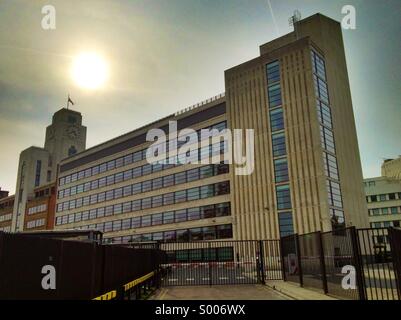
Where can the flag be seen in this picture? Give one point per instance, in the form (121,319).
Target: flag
(70,101)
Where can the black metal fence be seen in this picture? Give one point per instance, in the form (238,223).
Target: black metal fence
(347,263)
(220,262)
(82,270)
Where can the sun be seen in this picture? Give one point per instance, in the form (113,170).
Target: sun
(89,70)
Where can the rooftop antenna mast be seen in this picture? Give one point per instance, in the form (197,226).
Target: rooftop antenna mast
(293,20)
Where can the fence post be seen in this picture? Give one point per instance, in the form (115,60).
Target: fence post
(298,252)
(209,264)
(322,262)
(358,262)
(395,243)
(282,259)
(262,261)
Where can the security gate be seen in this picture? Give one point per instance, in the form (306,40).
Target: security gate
(221,262)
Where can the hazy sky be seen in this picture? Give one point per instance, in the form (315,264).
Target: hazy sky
(165,55)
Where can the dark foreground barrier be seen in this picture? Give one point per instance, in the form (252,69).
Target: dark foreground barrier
(32,267)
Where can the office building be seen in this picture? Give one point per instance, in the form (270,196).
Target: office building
(383,196)
(307,173)
(6,211)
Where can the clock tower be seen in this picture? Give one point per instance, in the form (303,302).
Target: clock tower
(65,137)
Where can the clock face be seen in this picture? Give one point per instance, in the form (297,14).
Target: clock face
(73,132)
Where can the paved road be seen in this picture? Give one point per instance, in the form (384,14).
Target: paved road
(203,274)
(226,292)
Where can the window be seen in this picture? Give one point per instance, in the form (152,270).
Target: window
(127,175)
(118,193)
(136,188)
(193,175)
(373,198)
(109,195)
(181,215)
(324,114)
(206,172)
(207,212)
(158,236)
(209,233)
(146,221)
(182,235)
(168,198)
(119,177)
(100,212)
(102,182)
(391,196)
(147,186)
(277,119)
(168,181)
(157,201)
(283,197)
(384,210)
(157,183)
(285,223)
(222,188)
(111,165)
(127,191)
(157,219)
(327,139)
(394,210)
(117,225)
(383,197)
(180,196)
(101,197)
(180,177)
(196,234)
(273,72)
(136,205)
(281,170)
(136,222)
(118,208)
(224,231)
(72,150)
(37,172)
(146,169)
(278,141)
(127,207)
(193,194)
(334,193)
(137,172)
(169,236)
(110,180)
(168,217)
(330,166)
(109,211)
(222,209)
(193,214)
(274,95)
(146,203)
(206,191)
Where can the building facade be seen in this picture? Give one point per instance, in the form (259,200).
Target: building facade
(6,212)
(383,196)
(40,210)
(307,173)
(38,166)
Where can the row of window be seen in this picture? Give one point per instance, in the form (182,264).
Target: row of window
(5,229)
(384,197)
(280,164)
(6,217)
(184,235)
(196,193)
(177,216)
(117,178)
(37,209)
(385,224)
(120,162)
(384,211)
(35,223)
(327,139)
(145,186)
